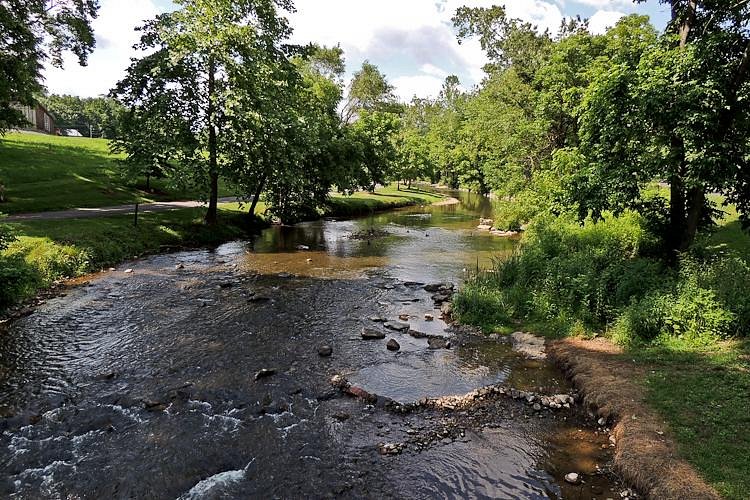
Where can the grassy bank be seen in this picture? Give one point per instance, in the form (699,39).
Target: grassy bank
(46,252)
(684,331)
(42,172)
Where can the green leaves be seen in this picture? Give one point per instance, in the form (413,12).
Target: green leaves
(32,31)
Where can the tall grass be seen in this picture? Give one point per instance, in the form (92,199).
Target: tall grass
(603,277)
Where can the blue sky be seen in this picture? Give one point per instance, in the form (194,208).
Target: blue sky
(412,41)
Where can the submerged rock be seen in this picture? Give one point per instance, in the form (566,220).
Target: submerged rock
(390,448)
(438,343)
(325,351)
(258,298)
(264,373)
(360,393)
(433,287)
(372,334)
(396,325)
(392,345)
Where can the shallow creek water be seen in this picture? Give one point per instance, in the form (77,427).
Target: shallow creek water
(141,385)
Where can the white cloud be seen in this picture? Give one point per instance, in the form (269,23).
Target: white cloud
(430,69)
(408,39)
(418,85)
(115,36)
(412,41)
(603,19)
(604,4)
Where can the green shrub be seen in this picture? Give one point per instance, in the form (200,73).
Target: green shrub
(643,320)
(17,281)
(482,304)
(594,276)
(51,261)
(6,235)
(697,315)
(587,272)
(728,277)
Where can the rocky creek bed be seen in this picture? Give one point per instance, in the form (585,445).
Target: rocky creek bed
(208,374)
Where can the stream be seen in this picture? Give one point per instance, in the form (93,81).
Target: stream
(142,384)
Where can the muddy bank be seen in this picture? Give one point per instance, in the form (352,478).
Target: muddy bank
(645,455)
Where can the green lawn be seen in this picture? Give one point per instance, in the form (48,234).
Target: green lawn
(704,396)
(42,172)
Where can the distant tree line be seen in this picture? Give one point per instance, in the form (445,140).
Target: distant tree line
(90,116)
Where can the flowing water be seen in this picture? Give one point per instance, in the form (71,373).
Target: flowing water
(142,384)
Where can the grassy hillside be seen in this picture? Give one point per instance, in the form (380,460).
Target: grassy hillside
(42,172)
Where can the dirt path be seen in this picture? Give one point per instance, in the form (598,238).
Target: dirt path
(87,213)
(645,454)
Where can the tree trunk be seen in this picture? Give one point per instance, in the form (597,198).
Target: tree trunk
(257,194)
(696,201)
(213,171)
(677,215)
(148,181)
(678,236)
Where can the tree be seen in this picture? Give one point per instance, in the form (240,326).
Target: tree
(444,119)
(506,41)
(373,154)
(369,90)
(205,62)
(32,32)
(285,138)
(673,112)
(413,147)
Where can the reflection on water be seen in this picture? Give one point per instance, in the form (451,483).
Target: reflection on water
(422,242)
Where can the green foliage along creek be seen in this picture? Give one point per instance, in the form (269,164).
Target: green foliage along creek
(620,153)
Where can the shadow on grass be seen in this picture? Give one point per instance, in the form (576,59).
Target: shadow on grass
(705,398)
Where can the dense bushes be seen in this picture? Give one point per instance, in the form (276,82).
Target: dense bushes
(600,277)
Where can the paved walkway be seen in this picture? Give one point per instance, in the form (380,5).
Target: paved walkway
(87,213)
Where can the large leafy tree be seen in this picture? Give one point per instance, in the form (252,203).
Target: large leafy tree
(33,32)
(288,137)
(206,64)
(673,109)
